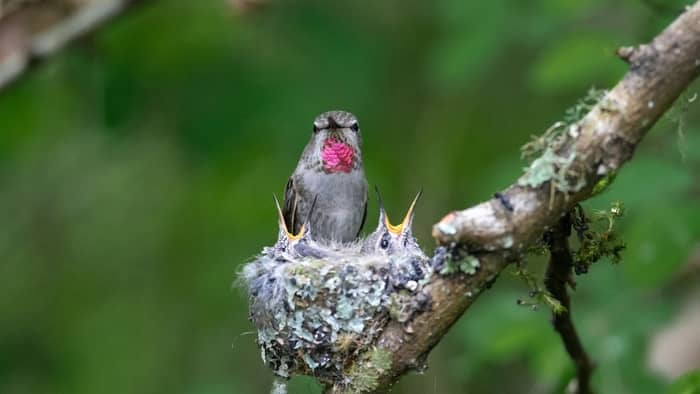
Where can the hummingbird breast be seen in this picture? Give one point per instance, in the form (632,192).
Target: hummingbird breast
(340,203)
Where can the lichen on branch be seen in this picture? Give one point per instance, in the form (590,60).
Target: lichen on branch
(588,152)
(499,230)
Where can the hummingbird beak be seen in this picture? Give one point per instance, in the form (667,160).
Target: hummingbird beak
(407,221)
(332,124)
(382,213)
(283,225)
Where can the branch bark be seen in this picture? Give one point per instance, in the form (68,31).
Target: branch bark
(557,277)
(32,30)
(497,231)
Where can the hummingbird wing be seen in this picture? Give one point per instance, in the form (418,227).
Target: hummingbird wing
(289,211)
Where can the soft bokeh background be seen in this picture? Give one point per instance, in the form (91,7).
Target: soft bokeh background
(137,168)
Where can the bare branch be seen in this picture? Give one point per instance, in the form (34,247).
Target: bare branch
(604,139)
(496,231)
(599,144)
(32,30)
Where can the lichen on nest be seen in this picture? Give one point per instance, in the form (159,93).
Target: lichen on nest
(318,306)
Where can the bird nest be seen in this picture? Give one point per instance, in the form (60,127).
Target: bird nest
(317,305)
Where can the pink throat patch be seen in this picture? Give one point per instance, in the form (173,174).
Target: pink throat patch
(336,156)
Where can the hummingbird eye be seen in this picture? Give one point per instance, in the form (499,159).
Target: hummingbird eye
(355,127)
(384,243)
(316,129)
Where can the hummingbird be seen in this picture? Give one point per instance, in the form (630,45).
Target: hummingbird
(300,244)
(330,172)
(393,238)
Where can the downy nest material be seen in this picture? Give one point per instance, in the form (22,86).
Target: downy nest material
(317,305)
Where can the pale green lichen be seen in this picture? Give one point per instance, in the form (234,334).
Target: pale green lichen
(555,168)
(556,135)
(537,145)
(313,313)
(467,264)
(551,164)
(402,306)
(363,376)
(585,104)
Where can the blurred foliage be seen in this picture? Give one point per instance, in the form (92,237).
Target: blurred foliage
(686,384)
(136,169)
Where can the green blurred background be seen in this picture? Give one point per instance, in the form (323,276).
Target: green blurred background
(137,167)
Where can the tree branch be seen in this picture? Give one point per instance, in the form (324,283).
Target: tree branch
(32,30)
(557,277)
(598,145)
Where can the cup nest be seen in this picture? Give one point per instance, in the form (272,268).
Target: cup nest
(318,305)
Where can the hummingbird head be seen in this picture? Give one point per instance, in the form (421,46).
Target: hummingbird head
(300,244)
(336,141)
(389,238)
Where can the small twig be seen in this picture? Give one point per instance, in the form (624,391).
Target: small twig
(557,277)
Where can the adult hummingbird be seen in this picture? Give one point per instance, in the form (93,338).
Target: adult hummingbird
(329,171)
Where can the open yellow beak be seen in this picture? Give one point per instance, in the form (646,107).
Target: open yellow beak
(283,225)
(407,219)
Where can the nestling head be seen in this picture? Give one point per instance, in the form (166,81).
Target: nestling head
(393,239)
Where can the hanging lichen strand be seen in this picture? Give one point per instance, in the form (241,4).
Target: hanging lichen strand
(319,307)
